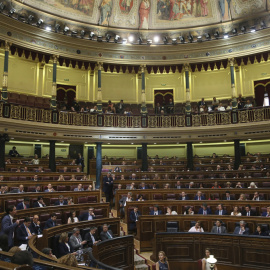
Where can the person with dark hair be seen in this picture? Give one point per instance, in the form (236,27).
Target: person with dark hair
(72,218)
(134,217)
(108,187)
(163,263)
(51,222)
(24,204)
(220,210)
(39,202)
(106,234)
(4,243)
(259,231)
(90,237)
(205,210)
(155,211)
(8,226)
(35,226)
(64,248)
(205,263)
(23,232)
(61,201)
(88,216)
(22,257)
(218,228)
(80,161)
(48,252)
(13,152)
(248,211)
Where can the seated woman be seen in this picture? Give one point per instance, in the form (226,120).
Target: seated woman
(189,211)
(61,178)
(242,197)
(170,212)
(73,178)
(85,178)
(252,185)
(236,212)
(122,177)
(72,218)
(69,260)
(64,248)
(70,201)
(89,188)
(259,231)
(205,264)
(35,160)
(163,263)
(140,198)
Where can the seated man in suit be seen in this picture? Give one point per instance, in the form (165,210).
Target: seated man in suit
(123,202)
(24,204)
(220,211)
(218,228)
(39,202)
(8,226)
(3,189)
(199,196)
(106,234)
(257,197)
(23,232)
(88,216)
(76,241)
(35,226)
(227,196)
(155,211)
(49,188)
(143,186)
(204,210)
(241,229)
(183,196)
(248,211)
(267,212)
(178,185)
(79,188)
(190,185)
(51,222)
(13,152)
(90,237)
(38,188)
(61,201)
(134,216)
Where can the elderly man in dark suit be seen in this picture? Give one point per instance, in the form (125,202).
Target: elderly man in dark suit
(133,217)
(76,241)
(35,226)
(8,226)
(90,237)
(241,229)
(106,234)
(204,210)
(88,216)
(108,187)
(61,201)
(218,228)
(23,232)
(24,204)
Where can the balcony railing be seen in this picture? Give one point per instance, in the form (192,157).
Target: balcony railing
(19,112)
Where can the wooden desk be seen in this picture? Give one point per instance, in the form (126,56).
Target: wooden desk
(117,252)
(231,251)
(147,226)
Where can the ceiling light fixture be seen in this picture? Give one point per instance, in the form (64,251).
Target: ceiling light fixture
(216,35)
(226,35)
(39,22)
(182,39)
(174,41)
(91,35)
(156,39)
(57,28)
(66,29)
(48,28)
(165,40)
(108,37)
(82,33)
(30,19)
(131,39)
(234,31)
(243,29)
(208,36)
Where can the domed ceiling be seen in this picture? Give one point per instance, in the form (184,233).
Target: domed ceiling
(147,16)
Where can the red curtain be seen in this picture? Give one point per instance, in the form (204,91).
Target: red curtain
(162,96)
(261,87)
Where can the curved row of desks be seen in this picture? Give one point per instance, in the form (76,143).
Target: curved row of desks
(231,251)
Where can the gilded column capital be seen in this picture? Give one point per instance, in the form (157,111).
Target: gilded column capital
(100,64)
(186,66)
(231,61)
(7,45)
(55,58)
(142,67)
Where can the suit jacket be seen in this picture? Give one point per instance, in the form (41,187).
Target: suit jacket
(8,228)
(123,200)
(20,206)
(224,212)
(35,229)
(76,189)
(89,240)
(73,242)
(196,198)
(237,229)
(225,198)
(252,213)
(261,198)
(152,212)
(222,229)
(144,187)
(49,224)
(104,236)
(63,249)
(186,198)
(132,218)
(22,235)
(37,205)
(264,214)
(107,187)
(208,210)
(58,202)
(85,216)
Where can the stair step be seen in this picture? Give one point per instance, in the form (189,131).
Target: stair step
(141,267)
(138,260)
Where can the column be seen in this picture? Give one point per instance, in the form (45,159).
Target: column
(52,165)
(144,157)
(190,156)
(99,92)
(188,107)
(237,154)
(3,139)
(234,100)
(143,96)
(98,163)
(4,94)
(53,99)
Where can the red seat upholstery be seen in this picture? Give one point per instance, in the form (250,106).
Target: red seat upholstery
(158,197)
(61,188)
(98,213)
(82,200)
(92,199)
(200,264)
(171,197)
(53,200)
(10,202)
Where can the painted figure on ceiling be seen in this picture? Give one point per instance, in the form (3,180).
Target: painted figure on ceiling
(105,12)
(144,14)
(224,6)
(126,5)
(204,8)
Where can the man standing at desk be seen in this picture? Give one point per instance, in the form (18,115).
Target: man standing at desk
(108,187)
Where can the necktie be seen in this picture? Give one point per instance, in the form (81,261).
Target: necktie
(228,198)
(109,235)
(78,239)
(28,231)
(218,230)
(248,214)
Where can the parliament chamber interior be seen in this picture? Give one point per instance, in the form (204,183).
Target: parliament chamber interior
(134,134)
